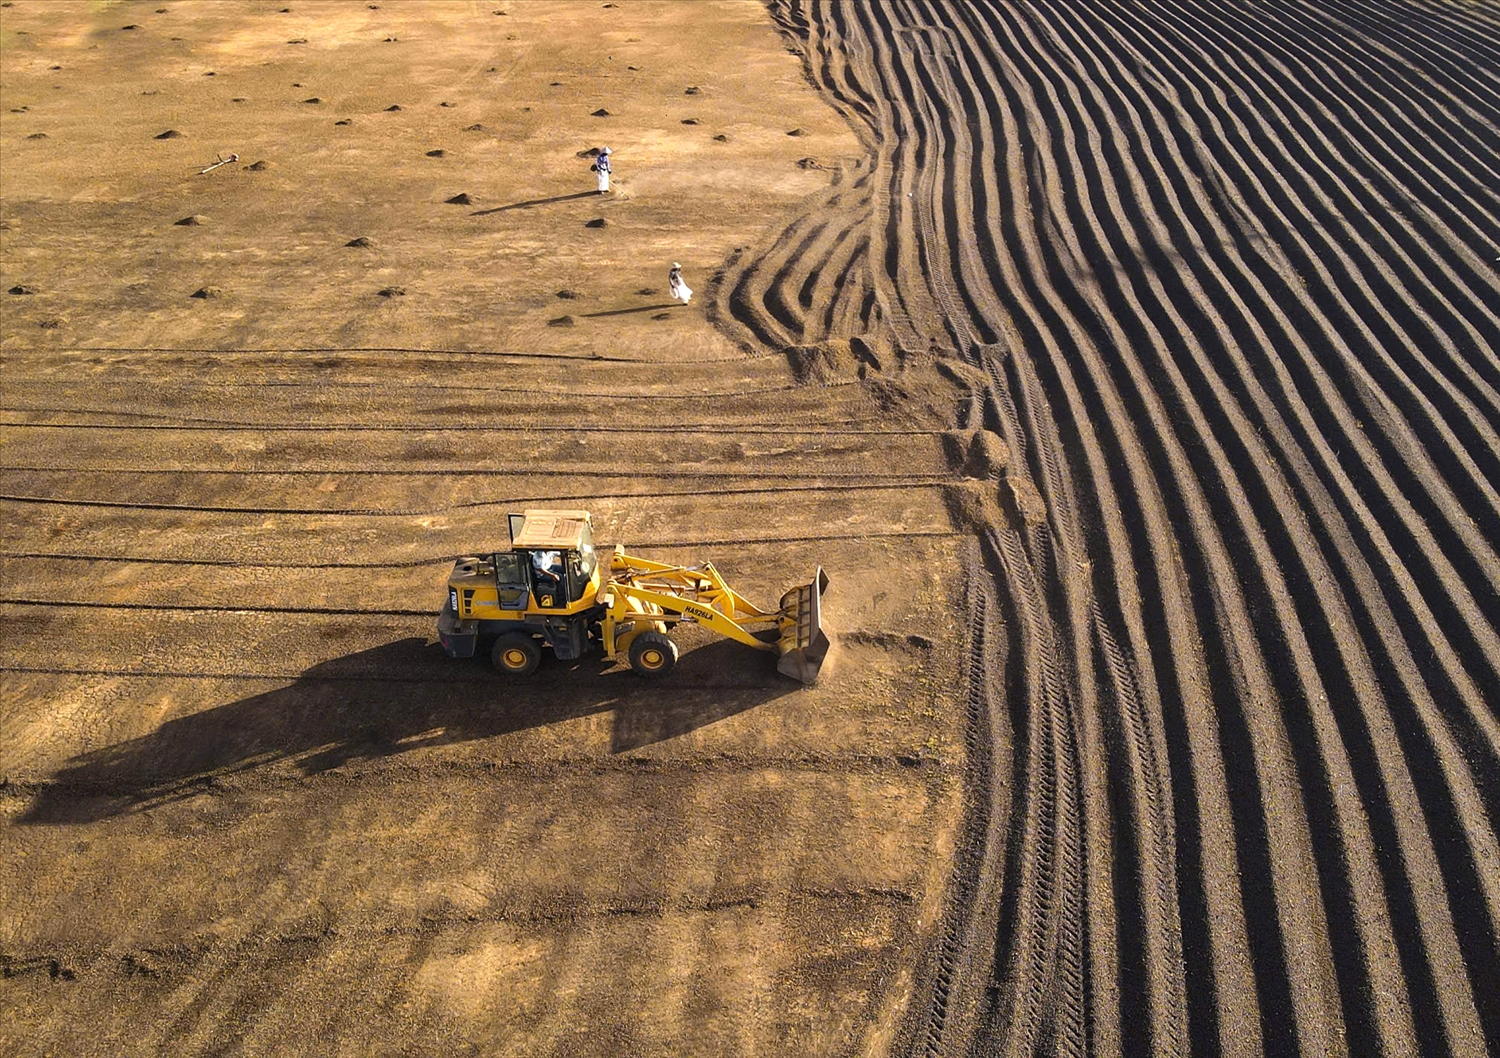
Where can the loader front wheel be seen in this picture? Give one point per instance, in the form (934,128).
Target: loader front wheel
(517,654)
(652,654)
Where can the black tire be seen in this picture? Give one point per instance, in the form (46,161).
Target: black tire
(652,654)
(516,654)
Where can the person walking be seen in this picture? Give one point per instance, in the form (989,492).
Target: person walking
(676,287)
(601,166)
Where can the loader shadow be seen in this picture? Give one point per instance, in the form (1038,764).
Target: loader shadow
(394,699)
(535,202)
(627,312)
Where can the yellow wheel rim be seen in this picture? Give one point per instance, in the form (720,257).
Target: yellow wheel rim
(652,658)
(515,658)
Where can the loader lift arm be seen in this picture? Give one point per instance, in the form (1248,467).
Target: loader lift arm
(692,593)
(674,593)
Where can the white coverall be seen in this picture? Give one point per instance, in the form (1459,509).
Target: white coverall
(602,163)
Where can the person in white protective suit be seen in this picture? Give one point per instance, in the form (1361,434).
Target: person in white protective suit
(601,166)
(676,287)
(547,567)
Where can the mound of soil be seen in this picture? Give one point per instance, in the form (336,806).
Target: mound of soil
(836,359)
(822,362)
(977,453)
(973,506)
(1025,499)
(191,222)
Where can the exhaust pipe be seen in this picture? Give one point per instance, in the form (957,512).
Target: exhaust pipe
(803,643)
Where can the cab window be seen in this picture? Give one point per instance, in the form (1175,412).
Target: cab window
(549,579)
(510,581)
(582,563)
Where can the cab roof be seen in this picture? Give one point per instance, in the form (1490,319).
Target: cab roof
(553,530)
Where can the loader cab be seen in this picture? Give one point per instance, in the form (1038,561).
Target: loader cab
(552,559)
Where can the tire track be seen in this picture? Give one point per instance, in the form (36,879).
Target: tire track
(222,425)
(640,544)
(94,604)
(812,485)
(1225,271)
(954,982)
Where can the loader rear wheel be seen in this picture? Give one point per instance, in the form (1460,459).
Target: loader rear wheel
(516,653)
(652,654)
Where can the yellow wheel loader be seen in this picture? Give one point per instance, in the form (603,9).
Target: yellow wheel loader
(551,591)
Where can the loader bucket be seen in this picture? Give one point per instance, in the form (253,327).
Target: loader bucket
(803,643)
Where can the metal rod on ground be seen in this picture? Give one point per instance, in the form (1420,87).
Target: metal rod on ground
(221,161)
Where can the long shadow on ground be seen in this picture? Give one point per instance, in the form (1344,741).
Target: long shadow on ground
(393,699)
(627,312)
(534,202)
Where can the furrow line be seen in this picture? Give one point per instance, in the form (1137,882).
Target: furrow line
(820,487)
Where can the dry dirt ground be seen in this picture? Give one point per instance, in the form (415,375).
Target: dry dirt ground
(1132,369)
(248,805)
